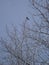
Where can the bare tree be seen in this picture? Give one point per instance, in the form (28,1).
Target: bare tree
(42,12)
(31,46)
(41,20)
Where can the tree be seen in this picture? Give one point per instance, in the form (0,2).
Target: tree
(42,12)
(31,46)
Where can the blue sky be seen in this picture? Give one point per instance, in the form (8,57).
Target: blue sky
(12,12)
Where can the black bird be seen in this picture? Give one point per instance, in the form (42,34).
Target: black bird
(27,18)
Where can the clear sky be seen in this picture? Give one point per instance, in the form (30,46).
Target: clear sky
(12,12)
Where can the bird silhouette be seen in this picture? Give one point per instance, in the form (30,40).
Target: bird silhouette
(27,18)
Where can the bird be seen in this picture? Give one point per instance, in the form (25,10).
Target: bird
(27,18)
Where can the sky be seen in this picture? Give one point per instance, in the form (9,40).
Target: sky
(12,12)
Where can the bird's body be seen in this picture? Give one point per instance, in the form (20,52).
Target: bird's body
(27,18)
